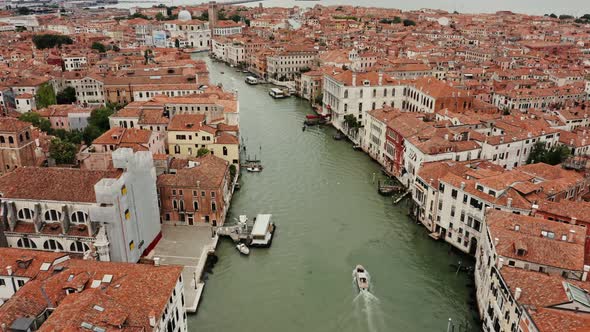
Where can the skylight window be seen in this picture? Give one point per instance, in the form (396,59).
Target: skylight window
(578,295)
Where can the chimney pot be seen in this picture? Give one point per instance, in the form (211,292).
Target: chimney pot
(152,317)
(9,270)
(585,274)
(570,236)
(517,293)
(500,263)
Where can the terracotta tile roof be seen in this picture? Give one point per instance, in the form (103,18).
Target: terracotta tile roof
(539,249)
(12,125)
(135,292)
(208,174)
(122,136)
(187,122)
(53,184)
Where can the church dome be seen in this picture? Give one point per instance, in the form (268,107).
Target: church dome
(184,15)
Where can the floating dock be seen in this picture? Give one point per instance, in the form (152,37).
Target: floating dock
(258,233)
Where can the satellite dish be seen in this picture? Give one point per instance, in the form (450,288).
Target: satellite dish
(443,21)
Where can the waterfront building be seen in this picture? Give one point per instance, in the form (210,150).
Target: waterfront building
(17,145)
(189,133)
(523,261)
(227,28)
(285,65)
(187,32)
(451,197)
(112,215)
(195,191)
(51,291)
(350,93)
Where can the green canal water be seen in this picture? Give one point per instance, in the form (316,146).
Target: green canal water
(329,218)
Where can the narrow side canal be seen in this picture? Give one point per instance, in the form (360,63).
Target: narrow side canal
(330,218)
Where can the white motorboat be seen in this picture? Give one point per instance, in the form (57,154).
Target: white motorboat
(243,249)
(361,277)
(254,169)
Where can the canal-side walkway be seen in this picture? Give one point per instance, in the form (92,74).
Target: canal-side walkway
(188,246)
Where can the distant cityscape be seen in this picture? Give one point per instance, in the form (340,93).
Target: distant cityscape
(123,150)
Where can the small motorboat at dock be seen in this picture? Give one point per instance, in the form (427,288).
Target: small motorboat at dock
(243,249)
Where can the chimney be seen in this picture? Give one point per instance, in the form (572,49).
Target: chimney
(585,274)
(496,240)
(380,78)
(462,185)
(152,317)
(517,228)
(573,220)
(9,270)
(156,261)
(517,293)
(509,202)
(570,236)
(353,79)
(446,137)
(500,263)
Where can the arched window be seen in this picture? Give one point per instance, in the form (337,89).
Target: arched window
(10,139)
(2,140)
(345,93)
(27,135)
(79,217)
(79,247)
(20,136)
(26,213)
(224,151)
(52,245)
(52,215)
(26,243)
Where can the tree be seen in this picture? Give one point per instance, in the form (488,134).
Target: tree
(552,156)
(36,120)
(408,23)
(232,171)
(62,151)
(45,96)
(553,16)
(160,17)
(90,133)
(202,152)
(204,16)
(395,20)
(565,17)
(351,122)
(23,11)
(67,96)
(100,117)
(116,48)
(139,15)
(236,18)
(99,47)
(48,40)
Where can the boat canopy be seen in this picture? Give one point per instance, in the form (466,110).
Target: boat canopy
(261,225)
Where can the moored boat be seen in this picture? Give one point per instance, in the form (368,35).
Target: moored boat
(251,80)
(243,249)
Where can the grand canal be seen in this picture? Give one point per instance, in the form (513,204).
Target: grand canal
(323,198)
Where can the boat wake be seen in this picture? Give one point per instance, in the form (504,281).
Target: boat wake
(368,311)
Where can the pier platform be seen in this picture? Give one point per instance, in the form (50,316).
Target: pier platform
(188,246)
